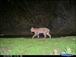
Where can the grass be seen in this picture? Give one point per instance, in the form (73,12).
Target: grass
(28,46)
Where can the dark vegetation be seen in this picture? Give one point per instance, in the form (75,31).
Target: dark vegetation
(18,16)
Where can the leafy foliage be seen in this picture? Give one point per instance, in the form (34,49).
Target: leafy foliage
(18,16)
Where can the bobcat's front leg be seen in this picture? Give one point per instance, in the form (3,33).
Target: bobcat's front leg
(33,36)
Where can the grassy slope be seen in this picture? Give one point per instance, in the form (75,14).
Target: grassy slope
(25,46)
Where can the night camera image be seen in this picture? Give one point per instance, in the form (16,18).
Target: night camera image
(38,27)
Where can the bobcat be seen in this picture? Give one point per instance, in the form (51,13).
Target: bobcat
(37,31)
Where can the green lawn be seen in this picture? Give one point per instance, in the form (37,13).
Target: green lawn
(29,46)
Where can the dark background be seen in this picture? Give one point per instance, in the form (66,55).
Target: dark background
(18,16)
